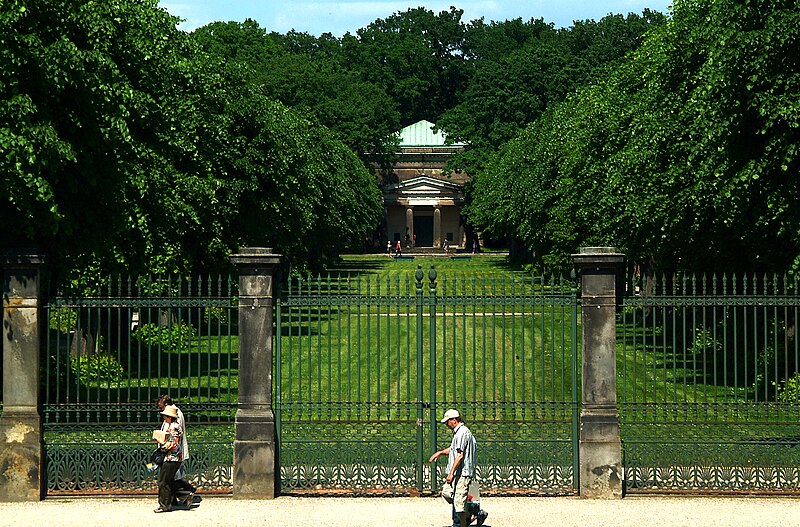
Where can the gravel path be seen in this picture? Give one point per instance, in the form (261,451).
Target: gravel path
(408,512)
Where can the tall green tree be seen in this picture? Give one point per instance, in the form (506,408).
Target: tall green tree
(683,157)
(71,84)
(128,148)
(304,73)
(524,67)
(416,56)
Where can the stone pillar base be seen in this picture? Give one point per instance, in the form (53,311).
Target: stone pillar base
(255,473)
(602,473)
(21,457)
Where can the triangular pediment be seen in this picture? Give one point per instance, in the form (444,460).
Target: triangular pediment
(424,190)
(425,184)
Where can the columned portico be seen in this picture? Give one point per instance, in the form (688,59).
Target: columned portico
(421,202)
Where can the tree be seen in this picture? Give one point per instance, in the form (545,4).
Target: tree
(70,86)
(523,68)
(416,57)
(303,72)
(129,149)
(682,157)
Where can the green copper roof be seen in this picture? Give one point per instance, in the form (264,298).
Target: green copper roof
(421,134)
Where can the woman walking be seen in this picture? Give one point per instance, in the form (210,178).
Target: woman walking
(172,461)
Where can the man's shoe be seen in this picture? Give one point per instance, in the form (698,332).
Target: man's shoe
(161,510)
(481,516)
(189,500)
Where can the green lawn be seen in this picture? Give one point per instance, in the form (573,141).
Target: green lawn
(387,267)
(497,339)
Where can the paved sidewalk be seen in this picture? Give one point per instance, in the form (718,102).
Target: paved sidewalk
(407,512)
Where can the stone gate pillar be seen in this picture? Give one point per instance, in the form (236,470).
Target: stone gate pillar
(256,474)
(601,470)
(22,475)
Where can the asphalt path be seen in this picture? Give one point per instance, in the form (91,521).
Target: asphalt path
(412,512)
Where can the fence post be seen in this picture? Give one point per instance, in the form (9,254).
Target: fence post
(432,335)
(256,473)
(22,474)
(601,470)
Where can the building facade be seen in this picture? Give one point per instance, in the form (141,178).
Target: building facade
(423,206)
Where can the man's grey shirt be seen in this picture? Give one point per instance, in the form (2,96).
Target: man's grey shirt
(463,441)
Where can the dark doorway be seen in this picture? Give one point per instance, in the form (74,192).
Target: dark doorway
(423,225)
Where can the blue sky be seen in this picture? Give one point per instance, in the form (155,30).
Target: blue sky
(341,16)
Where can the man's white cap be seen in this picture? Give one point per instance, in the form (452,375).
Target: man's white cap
(450,414)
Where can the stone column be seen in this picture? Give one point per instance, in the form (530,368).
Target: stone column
(256,474)
(409,227)
(601,471)
(437,227)
(22,475)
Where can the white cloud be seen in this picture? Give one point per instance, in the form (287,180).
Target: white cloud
(193,15)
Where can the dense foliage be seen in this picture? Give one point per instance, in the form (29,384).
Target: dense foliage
(130,145)
(125,147)
(523,68)
(303,73)
(684,157)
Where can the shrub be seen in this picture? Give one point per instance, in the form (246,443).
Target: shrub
(101,367)
(789,390)
(165,336)
(63,320)
(215,314)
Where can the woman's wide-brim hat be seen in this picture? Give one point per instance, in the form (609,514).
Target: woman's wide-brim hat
(171,411)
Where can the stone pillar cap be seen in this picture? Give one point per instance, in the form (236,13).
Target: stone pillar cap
(20,257)
(593,256)
(598,250)
(255,256)
(252,251)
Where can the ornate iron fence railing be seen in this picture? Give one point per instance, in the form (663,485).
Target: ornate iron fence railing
(709,397)
(365,367)
(110,353)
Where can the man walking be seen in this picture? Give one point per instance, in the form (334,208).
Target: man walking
(460,469)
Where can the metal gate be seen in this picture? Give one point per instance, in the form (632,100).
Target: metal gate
(365,368)
(709,395)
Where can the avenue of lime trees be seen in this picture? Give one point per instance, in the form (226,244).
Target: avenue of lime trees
(128,145)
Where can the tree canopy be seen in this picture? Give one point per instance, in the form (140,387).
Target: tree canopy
(305,73)
(521,68)
(131,145)
(126,147)
(683,157)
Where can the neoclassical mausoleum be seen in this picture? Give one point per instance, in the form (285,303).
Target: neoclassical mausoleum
(423,206)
